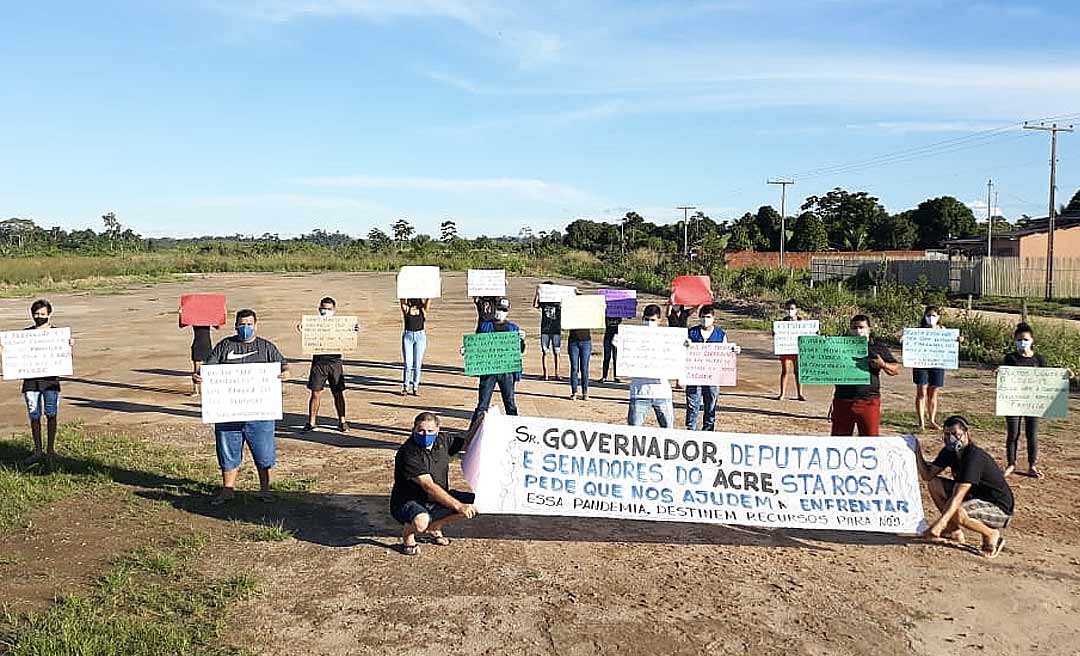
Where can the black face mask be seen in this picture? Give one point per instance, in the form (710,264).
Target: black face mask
(41,321)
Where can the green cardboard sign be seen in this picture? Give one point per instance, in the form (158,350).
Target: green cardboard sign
(492,353)
(833,360)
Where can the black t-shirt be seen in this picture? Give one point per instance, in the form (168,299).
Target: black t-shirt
(1014,359)
(233,351)
(200,336)
(580,335)
(550,318)
(414,322)
(485,309)
(678,318)
(611,325)
(976,467)
(412,461)
(873,390)
(45,384)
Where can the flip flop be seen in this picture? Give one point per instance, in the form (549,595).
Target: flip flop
(996,551)
(409,550)
(440,540)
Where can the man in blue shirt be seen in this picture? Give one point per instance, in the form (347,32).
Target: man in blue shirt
(505,381)
(705,332)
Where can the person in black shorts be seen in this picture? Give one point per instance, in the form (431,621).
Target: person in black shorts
(326,370)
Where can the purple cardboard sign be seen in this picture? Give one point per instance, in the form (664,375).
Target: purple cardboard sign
(621,303)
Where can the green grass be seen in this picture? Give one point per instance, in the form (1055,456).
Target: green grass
(155,601)
(274,532)
(905,420)
(292,484)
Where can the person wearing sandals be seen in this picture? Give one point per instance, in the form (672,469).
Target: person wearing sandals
(326,370)
(976,498)
(928,382)
(413,342)
(789,364)
(1023,356)
(421,499)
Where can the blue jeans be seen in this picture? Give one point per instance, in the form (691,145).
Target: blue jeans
(694,396)
(663,408)
(580,352)
(47,401)
(230,439)
(487,388)
(413,345)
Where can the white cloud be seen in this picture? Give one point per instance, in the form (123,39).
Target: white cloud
(531,188)
(903,127)
(978,208)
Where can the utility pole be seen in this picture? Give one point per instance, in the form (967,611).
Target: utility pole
(686,229)
(783,219)
(1053,129)
(989,219)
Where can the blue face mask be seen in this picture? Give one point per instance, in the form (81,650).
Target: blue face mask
(245,332)
(425,439)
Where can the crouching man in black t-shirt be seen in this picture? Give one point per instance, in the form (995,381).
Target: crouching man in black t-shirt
(976,497)
(421,498)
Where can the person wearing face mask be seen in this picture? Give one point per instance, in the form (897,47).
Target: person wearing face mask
(859,406)
(789,364)
(505,382)
(421,499)
(245,348)
(326,369)
(705,332)
(928,381)
(413,342)
(1023,356)
(646,393)
(976,498)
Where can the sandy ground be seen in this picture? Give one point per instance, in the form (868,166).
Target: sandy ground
(534,585)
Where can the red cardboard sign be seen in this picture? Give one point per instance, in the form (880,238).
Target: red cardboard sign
(202,310)
(691,290)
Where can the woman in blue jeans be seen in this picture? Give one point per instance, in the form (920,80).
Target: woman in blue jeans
(580,347)
(413,342)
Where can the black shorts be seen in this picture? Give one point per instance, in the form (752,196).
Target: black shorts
(408,511)
(324,373)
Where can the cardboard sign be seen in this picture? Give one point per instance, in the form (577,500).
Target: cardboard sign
(40,353)
(931,348)
(585,311)
(833,360)
(321,335)
(786,335)
(202,310)
(647,352)
(487,282)
(555,293)
(712,364)
(1032,392)
(656,474)
(492,353)
(691,290)
(241,392)
(419,282)
(621,303)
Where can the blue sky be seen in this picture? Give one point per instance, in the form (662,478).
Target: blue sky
(191,117)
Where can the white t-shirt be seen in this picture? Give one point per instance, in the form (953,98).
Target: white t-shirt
(649,388)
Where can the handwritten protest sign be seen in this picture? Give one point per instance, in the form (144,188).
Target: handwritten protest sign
(36,353)
(492,353)
(931,348)
(621,303)
(202,310)
(833,360)
(542,466)
(487,282)
(711,364)
(691,290)
(786,335)
(419,282)
(647,352)
(555,293)
(327,335)
(240,392)
(585,311)
(1032,392)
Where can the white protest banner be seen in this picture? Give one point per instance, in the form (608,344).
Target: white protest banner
(542,466)
(487,282)
(585,311)
(931,348)
(555,293)
(711,363)
(240,392)
(648,352)
(1032,392)
(36,353)
(786,335)
(328,335)
(419,282)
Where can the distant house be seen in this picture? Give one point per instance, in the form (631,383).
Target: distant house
(1026,241)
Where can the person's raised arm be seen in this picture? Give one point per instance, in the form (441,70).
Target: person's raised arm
(443,498)
(403,303)
(427,304)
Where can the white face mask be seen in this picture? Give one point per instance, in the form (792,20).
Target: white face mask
(931,319)
(707,321)
(326,313)
(500,315)
(649,322)
(1024,344)
(793,312)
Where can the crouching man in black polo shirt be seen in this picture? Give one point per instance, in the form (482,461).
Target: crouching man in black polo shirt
(976,497)
(422,499)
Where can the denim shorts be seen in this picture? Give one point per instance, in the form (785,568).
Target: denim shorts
(550,343)
(408,511)
(931,377)
(47,400)
(259,436)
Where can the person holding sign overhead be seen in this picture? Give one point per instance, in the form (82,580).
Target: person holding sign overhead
(789,364)
(550,330)
(506,381)
(245,348)
(652,393)
(611,354)
(859,406)
(413,342)
(326,369)
(976,497)
(705,332)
